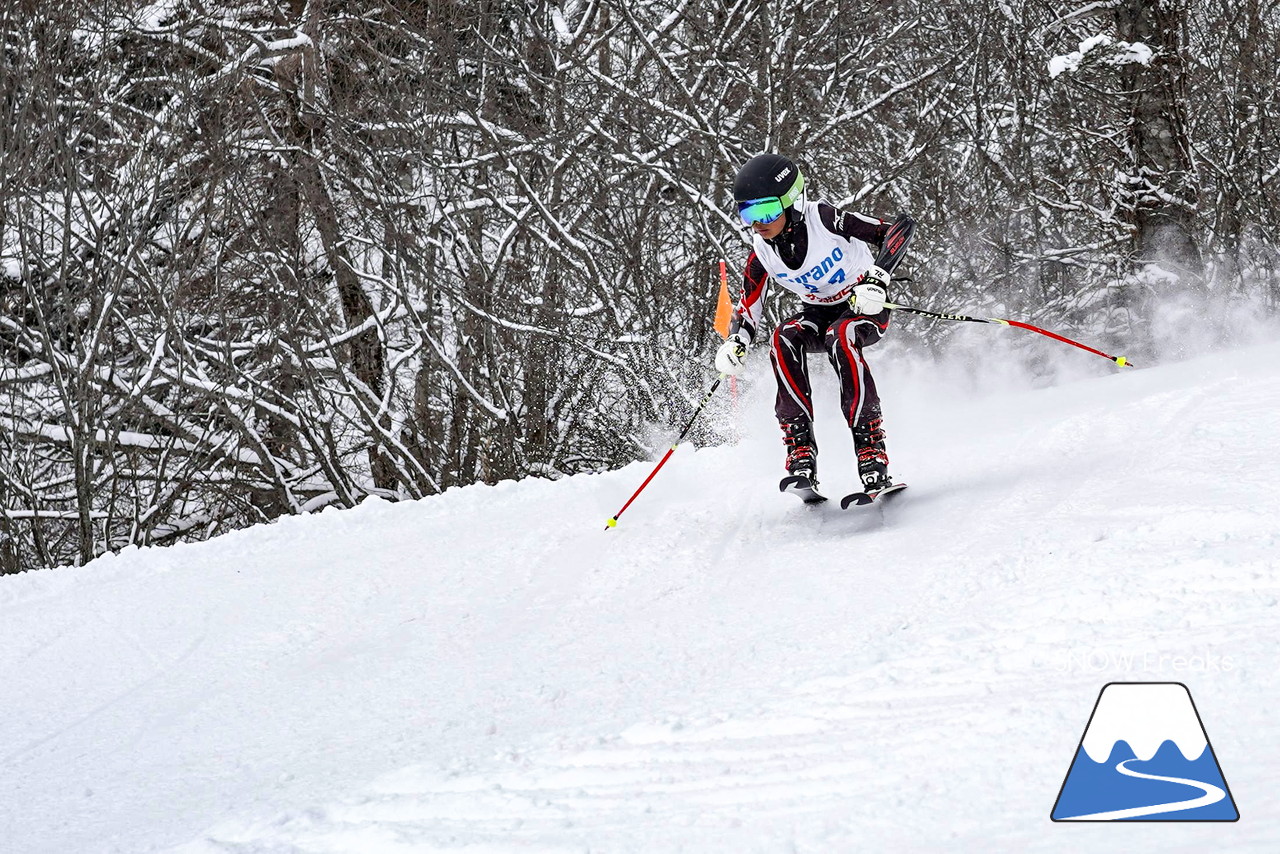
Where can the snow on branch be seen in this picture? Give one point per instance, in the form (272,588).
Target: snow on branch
(141,441)
(1101,50)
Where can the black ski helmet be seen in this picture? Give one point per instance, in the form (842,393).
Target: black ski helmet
(769,175)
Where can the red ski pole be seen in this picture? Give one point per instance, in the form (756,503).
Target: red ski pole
(1119,360)
(613,520)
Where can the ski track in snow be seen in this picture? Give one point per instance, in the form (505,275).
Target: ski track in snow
(728,670)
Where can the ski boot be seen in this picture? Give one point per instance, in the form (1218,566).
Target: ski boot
(873,464)
(802,462)
(873,460)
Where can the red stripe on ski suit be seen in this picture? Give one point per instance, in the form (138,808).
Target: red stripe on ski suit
(781,363)
(850,359)
(854,360)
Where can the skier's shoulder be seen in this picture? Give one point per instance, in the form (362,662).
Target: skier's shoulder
(850,224)
(838,220)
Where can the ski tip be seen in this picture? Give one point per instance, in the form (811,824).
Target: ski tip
(803,488)
(795,481)
(861,499)
(856,499)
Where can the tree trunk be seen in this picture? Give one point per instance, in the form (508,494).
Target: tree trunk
(1164,184)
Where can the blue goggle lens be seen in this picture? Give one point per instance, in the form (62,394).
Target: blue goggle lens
(763,211)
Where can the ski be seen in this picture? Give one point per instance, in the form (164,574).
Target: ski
(803,488)
(859,499)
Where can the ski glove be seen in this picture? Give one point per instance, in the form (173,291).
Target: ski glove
(731,358)
(870,293)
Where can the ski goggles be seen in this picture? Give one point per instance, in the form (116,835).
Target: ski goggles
(763,211)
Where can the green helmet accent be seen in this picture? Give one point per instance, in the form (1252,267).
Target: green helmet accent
(795,195)
(769,175)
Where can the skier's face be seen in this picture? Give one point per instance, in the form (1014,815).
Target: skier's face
(770,230)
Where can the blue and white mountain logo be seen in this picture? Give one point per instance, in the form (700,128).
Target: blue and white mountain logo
(1145,757)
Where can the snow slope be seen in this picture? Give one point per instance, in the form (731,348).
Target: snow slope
(490,670)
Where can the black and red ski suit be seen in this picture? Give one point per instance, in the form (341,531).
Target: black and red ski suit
(825,322)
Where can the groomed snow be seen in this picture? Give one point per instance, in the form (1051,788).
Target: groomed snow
(490,670)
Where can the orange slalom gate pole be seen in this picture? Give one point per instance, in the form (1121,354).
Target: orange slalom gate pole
(724,316)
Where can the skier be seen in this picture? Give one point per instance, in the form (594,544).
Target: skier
(820,253)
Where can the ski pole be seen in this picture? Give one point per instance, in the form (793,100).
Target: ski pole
(1119,360)
(613,520)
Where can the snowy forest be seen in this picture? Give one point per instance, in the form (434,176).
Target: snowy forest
(261,258)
